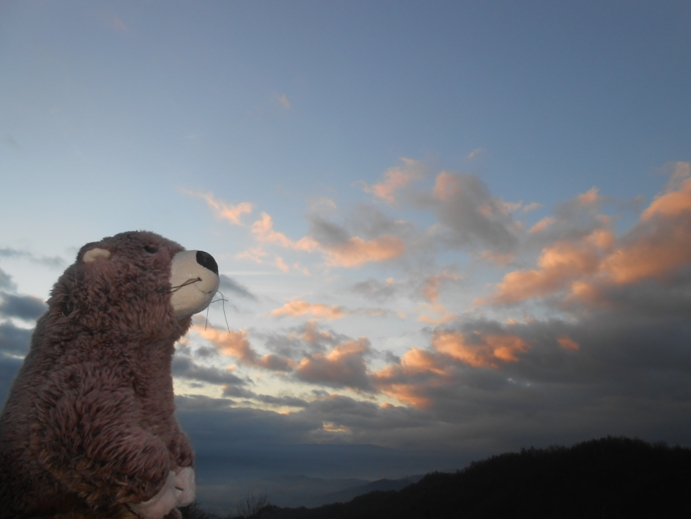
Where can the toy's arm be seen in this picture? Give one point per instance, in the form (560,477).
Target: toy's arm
(87,435)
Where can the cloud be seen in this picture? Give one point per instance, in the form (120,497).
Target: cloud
(54,261)
(559,265)
(477,349)
(222,209)
(14,340)
(343,250)
(356,251)
(9,367)
(185,367)
(590,197)
(6,281)
(265,233)
(342,366)
(302,340)
(376,290)
(283,100)
(230,285)
(432,284)
(300,308)
(118,25)
(395,179)
(468,215)
(475,154)
(28,308)
(340,249)
(542,225)
(236,344)
(592,268)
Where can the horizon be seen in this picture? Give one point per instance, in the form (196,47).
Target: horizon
(446,230)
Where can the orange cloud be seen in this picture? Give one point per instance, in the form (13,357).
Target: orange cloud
(589,197)
(281,264)
(558,265)
(312,335)
(221,208)
(482,351)
(356,251)
(444,315)
(430,289)
(671,204)
(658,245)
(235,344)
(446,186)
(342,366)
(299,308)
(263,229)
(351,253)
(542,225)
(396,178)
(568,343)
(408,380)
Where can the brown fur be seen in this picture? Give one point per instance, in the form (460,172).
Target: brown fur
(89,425)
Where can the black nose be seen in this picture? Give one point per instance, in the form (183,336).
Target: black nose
(206,260)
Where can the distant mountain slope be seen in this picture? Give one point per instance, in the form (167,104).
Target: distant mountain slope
(610,477)
(381,485)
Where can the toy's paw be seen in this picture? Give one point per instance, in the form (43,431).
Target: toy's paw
(163,502)
(185,486)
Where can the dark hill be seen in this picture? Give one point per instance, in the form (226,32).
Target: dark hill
(610,477)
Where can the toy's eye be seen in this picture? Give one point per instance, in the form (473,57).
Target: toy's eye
(151,249)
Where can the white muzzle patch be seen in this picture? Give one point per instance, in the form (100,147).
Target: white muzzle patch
(193,281)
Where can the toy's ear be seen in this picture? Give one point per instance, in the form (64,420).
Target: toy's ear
(94,253)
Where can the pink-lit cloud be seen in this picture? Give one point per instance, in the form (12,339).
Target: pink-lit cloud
(395,179)
(469,216)
(235,344)
(558,265)
(302,308)
(356,251)
(343,366)
(479,350)
(583,266)
(222,209)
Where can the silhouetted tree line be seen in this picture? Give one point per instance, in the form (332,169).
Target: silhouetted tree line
(605,478)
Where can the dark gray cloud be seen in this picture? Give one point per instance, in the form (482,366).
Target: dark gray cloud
(6,281)
(469,215)
(54,261)
(619,375)
(370,222)
(185,367)
(344,366)
(28,308)
(14,340)
(375,290)
(327,233)
(279,401)
(9,367)
(230,288)
(300,341)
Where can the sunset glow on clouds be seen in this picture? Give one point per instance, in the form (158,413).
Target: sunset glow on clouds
(471,240)
(579,260)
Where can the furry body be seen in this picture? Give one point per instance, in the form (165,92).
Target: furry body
(89,426)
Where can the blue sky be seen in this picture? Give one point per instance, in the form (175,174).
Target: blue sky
(453,226)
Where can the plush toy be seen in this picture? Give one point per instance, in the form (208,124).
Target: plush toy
(88,429)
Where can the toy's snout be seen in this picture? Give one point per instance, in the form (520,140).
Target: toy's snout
(193,282)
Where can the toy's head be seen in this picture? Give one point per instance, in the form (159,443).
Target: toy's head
(136,281)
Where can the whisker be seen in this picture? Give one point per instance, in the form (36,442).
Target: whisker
(223,302)
(188,282)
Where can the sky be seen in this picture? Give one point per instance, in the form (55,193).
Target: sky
(445,230)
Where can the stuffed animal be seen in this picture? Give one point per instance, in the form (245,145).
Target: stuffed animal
(88,429)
